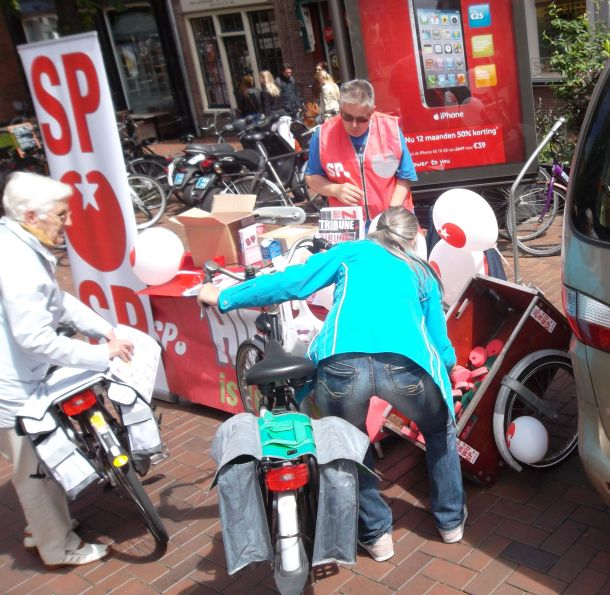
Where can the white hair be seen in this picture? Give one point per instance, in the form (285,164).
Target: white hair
(358,92)
(25,191)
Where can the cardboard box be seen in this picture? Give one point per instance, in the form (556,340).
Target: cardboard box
(210,235)
(289,234)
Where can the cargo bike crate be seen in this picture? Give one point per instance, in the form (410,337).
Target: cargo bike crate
(531,375)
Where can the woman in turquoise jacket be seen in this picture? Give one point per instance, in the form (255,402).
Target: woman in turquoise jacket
(385,335)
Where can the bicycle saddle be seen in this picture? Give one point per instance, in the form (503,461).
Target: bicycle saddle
(211,149)
(255,136)
(279,366)
(248,157)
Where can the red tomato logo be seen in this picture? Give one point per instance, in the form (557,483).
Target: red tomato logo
(510,433)
(97,232)
(453,234)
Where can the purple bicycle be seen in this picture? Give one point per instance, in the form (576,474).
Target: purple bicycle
(539,208)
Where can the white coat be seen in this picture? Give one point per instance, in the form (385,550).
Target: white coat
(32,306)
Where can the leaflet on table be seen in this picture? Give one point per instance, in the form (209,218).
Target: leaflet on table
(341,224)
(141,371)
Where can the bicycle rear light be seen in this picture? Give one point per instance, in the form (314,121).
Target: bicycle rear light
(79,403)
(588,318)
(286,479)
(205,164)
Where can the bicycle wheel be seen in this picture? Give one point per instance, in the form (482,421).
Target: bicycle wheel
(537,233)
(268,194)
(151,167)
(148,199)
(248,354)
(542,385)
(127,479)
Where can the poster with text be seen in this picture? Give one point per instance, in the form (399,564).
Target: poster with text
(449,70)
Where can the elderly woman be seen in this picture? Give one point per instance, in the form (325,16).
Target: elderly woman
(32,306)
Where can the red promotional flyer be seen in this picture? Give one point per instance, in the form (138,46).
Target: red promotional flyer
(449,69)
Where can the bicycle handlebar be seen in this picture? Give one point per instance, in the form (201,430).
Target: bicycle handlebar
(211,267)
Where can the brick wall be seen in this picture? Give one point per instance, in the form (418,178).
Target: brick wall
(293,51)
(13,84)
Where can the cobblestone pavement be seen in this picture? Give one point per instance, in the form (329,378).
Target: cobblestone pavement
(531,532)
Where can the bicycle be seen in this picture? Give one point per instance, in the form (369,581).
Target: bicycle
(140,159)
(538,206)
(535,215)
(291,469)
(148,199)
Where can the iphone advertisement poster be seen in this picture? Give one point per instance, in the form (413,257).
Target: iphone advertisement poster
(448,69)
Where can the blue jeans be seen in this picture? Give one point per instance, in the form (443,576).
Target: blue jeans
(343,387)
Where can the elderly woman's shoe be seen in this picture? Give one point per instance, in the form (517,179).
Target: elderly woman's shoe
(85,554)
(28,538)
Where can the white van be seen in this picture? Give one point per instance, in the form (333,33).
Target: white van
(586,284)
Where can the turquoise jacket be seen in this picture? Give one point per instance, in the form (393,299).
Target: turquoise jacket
(380,305)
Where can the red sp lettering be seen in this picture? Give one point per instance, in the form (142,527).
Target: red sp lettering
(43,66)
(128,307)
(82,104)
(80,71)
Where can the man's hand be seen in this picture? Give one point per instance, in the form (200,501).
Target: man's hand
(208,295)
(349,194)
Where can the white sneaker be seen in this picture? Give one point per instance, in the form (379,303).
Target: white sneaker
(380,550)
(28,539)
(454,535)
(85,554)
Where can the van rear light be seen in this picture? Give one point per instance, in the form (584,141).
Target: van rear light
(79,403)
(588,318)
(286,479)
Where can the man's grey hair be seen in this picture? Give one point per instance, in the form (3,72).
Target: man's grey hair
(25,191)
(358,92)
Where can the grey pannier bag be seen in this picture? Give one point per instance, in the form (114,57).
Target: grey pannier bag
(139,420)
(59,456)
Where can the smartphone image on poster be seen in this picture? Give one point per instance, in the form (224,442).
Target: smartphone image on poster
(442,68)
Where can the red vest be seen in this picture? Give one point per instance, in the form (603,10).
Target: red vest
(382,154)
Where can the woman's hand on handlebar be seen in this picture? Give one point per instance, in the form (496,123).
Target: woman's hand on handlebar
(208,295)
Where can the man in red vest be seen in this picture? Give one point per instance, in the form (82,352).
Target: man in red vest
(360,156)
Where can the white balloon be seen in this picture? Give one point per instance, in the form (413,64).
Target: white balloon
(456,268)
(465,220)
(156,255)
(527,439)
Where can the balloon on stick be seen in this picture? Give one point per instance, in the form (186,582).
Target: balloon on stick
(156,256)
(527,439)
(456,268)
(465,220)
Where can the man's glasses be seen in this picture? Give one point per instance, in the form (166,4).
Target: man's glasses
(357,119)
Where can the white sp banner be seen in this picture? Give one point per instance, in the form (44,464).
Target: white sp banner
(69,88)
(76,116)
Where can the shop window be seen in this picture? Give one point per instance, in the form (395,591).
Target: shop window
(141,60)
(266,41)
(231,23)
(40,28)
(210,62)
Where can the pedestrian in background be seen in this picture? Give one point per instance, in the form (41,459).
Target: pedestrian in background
(271,99)
(248,97)
(329,95)
(291,97)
